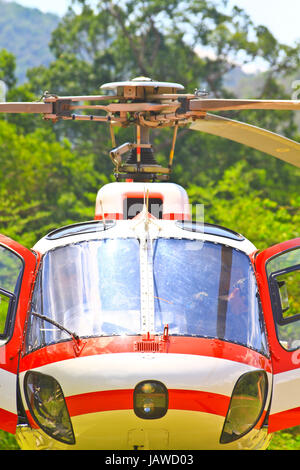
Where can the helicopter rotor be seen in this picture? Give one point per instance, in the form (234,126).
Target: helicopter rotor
(260,139)
(146,104)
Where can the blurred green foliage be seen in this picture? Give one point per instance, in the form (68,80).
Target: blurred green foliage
(50,174)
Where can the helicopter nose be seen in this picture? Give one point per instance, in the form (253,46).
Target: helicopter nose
(151,401)
(156,401)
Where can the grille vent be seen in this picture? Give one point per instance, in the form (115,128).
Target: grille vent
(147,346)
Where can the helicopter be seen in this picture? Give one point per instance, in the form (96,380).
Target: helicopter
(144,329)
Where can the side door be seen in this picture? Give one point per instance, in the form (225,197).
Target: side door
(278,273)
(17,268)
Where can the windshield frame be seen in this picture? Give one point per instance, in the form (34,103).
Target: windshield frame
(66,337)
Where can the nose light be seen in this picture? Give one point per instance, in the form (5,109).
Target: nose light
(246,405)
(150,399)
(47,405)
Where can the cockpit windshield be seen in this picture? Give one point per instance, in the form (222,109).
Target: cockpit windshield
(206,289)
(94,288)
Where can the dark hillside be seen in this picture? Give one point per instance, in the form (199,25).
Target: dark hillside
(26,33)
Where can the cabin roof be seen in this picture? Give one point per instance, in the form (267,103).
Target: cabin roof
(97,229)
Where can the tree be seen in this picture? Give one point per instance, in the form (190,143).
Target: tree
(43,184)
(48,181)
(161,39)
(233,203)
(7,68)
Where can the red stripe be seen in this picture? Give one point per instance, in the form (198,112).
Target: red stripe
(176,216)
(8,421)
(94,402)
(284,419)
(195,400)
(31,421)
(109,216)
(192,400)
(175,345)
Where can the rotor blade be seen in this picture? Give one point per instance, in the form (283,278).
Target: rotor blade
(129,107)
(226,105)
(29,107)
(260,139)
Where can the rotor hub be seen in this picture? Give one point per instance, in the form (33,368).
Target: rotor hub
(142,88)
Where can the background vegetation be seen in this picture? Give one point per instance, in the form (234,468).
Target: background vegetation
(50,174)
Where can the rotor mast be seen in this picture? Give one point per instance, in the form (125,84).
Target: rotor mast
(161,97)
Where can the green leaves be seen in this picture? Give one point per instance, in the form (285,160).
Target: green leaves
(50,174)
(233,203)
(48,180)
(7,68)
(43,184)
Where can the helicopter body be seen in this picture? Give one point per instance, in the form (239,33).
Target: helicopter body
(144,329)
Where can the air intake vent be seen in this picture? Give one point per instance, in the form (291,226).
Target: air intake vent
(151,343)
(147,346)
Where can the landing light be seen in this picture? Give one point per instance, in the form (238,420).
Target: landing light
(150,399)
(246,405)
(47,405)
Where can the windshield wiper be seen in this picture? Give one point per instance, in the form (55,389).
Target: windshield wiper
(73,335)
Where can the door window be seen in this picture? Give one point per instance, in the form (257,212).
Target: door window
(284,278)
(11,268)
